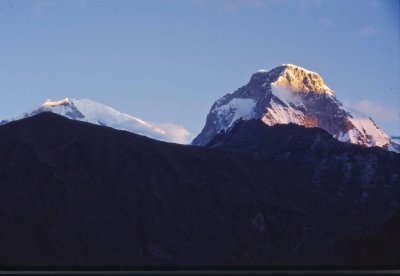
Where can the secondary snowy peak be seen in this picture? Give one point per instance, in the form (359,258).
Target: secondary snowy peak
(292,94)
(96,113)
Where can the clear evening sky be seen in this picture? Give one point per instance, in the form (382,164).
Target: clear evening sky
(168,61)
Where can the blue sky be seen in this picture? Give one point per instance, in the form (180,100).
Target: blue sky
(168,61)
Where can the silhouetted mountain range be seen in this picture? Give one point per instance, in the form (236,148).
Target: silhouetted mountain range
(74,194)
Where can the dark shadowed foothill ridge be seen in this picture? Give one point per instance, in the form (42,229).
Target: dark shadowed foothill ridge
(79,194)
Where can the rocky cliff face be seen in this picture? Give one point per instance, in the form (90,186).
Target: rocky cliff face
(291,94)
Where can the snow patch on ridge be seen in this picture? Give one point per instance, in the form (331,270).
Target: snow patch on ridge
(364,128)
(95,113)
(286,96)
(104,115)
(237,108)
(278,114)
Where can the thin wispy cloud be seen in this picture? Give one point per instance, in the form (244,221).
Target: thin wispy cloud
(377,111)
(5,7)
(326,22)
(376,4)
(306,5)
(175,133)
(53,8)
(367,32)
(234,6)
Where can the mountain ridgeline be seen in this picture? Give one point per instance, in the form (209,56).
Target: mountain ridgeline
(96,113)
(78,194)
(285,94)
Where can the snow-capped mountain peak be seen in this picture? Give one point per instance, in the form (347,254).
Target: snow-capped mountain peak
(96,113)
(292,94)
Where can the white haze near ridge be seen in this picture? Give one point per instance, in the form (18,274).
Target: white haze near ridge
(377,110)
